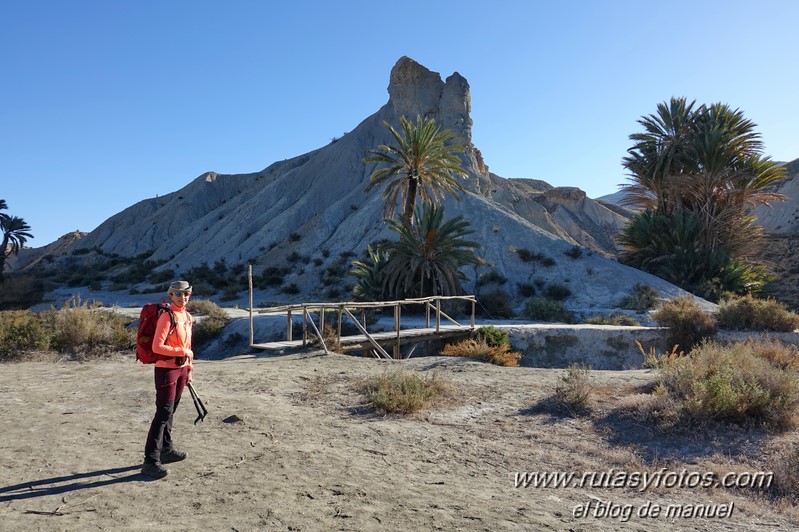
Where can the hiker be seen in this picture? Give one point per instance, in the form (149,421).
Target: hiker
(172,374)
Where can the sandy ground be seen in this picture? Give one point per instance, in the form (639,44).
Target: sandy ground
(309,454)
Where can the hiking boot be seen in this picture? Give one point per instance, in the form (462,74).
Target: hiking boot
(154,470)
(173,456)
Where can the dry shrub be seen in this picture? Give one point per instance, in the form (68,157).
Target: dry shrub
(785,466)
(82,326)
(574,390)
(500,355)
(402,392)
(749,313)
(329,336)
(688,324)
(734,383)
(210,326)
(663,361)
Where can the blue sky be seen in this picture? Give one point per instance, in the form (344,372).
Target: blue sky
(105,103)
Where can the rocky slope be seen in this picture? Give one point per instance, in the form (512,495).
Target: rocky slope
(314,207)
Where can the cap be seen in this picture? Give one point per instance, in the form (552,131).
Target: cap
(179,285)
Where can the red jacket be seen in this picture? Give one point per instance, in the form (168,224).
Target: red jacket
(177,344)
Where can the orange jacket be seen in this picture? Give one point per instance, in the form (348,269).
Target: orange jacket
(177,344)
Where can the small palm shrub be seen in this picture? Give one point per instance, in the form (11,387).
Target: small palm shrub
(734,383)
(688,324)
(402,392)
(749,313)
(478,348)
(544,309)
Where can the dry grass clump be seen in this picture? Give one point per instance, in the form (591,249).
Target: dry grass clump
(749,313)
(688,324)
(403,392)
(737,383)
(574,390)
(660,361)
(478,348)
(491,345)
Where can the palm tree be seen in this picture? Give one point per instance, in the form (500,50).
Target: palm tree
(428,256)
(698,172)
(369,274)
(15,234)
(423,163)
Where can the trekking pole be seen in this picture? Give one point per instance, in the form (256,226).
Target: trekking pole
(198,404)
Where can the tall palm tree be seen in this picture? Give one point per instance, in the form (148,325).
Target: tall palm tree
(423,163)
(15,234)
(698,172)
(428,256)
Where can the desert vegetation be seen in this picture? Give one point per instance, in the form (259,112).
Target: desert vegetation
(490,345)
(696,172)
(15,232)
(83,329)
(405,392)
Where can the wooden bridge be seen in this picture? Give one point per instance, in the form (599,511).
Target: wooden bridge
(374,342)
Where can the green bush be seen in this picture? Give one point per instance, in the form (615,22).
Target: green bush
(643,298)
(558,292)
(749,313)
(493,336)
(492,277)
(688,324)
(544,309)
(525,289)
(21,330)
(495,304)
(574,252)
(734,383)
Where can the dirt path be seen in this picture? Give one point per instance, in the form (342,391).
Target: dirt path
(308,454)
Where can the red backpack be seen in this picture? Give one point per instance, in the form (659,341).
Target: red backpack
(144,338)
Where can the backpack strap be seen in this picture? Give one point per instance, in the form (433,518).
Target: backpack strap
(164,307)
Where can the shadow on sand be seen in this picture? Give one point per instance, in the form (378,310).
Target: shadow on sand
(69,483)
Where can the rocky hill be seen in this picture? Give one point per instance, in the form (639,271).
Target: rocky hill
(304,214)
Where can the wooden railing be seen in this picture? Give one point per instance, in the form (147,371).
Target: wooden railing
(432,310)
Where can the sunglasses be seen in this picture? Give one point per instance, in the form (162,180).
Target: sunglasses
(184,293)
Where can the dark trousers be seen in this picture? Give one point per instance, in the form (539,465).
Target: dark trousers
(169,384)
